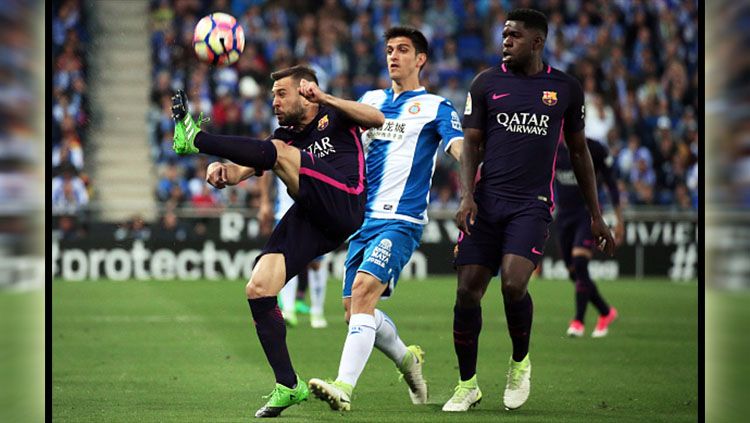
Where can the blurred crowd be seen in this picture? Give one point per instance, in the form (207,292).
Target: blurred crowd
(20,196)
(727,102)
(636,60)
(70,115)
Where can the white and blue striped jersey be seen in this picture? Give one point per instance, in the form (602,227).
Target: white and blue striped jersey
(401,154)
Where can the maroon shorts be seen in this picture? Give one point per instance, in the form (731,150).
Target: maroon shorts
(503,227)
(326,211)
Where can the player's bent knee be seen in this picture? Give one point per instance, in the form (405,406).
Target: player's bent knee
(259,287)
(254,291)
(366,286)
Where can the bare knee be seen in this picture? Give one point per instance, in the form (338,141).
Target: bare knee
(366,291)
(259,286)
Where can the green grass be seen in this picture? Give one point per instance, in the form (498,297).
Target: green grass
(21,356)
(727,350)
(187,352)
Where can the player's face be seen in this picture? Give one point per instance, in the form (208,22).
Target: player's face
(287,102)
(402,58)
(518,44)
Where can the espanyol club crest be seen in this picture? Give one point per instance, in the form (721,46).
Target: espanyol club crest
(414,108)
(323,123)
(549,97)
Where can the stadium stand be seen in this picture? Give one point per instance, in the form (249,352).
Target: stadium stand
(71,187)
(642,104)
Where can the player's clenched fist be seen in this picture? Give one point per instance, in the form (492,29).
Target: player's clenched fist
(216,175)
(310,91)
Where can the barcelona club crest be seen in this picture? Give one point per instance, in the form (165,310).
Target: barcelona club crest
(414,108)
(323,123)
(549,97)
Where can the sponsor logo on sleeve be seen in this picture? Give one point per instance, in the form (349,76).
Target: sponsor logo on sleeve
(467,109)
(455,121)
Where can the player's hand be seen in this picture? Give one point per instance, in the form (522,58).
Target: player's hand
(311,91)
(466,210)
(619,233)
(603,236)
(216,175)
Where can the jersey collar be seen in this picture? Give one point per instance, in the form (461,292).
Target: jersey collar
(405,94)
(546,69)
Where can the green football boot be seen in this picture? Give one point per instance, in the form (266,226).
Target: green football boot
(282,398)
(185,128)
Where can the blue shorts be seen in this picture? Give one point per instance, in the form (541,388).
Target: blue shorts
(381,247)
(326,211)
(503,227)
(574,230)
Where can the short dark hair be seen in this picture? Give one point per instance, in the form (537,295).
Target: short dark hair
(416,37)
(531,18)
(297,72)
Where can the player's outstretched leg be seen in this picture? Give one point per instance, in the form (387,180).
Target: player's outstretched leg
(282,398)
(408,360)
(190,139)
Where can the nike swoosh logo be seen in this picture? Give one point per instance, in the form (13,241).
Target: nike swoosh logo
(535,251)
(499,96)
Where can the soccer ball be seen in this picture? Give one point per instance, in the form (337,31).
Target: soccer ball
(218,39)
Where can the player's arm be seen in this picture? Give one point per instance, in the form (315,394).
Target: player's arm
(455,148)
(449,128)
(583,167)
(220,174)
(604,167)
(363,115)
(472,153)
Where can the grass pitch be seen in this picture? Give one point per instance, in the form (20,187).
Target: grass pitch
(187,352)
